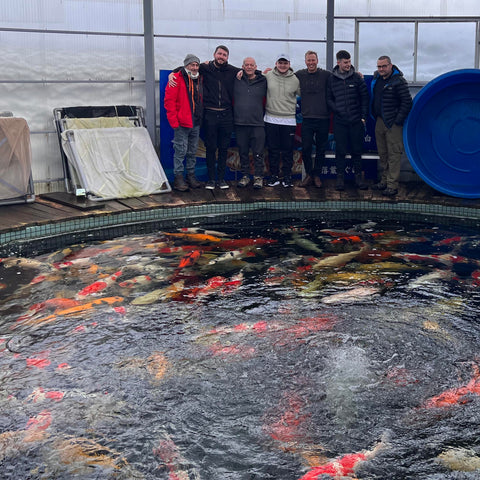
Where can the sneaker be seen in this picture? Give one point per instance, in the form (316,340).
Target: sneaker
(379,186)
(389,192)
(223,185)
(287,181)
(274,181)
(210,185)
(306,182)
(257,182)
(244,181)
(180,184)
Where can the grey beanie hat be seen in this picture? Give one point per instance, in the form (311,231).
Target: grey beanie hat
(190,58)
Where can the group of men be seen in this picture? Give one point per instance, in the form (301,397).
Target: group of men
(261,108)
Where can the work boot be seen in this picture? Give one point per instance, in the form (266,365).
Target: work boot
(180,184)
(359,183)
(192,181)
(306,182)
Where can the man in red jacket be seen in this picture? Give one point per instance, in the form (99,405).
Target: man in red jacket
(184,106)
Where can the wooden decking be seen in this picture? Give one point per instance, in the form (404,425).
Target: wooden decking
(59,207)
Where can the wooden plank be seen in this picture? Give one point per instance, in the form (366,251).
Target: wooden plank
(71,200)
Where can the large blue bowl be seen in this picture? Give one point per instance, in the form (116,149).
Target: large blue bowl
(442,133)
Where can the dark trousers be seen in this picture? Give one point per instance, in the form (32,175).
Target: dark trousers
(254,138)
(280,147)
(349,138)
(218,128)
(314,131)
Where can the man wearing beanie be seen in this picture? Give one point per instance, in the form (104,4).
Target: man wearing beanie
(184,106)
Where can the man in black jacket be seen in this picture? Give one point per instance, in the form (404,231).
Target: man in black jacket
(391,103)
(218,77)
(315,117)
(249,95)
(347,97)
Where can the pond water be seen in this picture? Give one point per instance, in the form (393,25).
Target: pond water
(302,348)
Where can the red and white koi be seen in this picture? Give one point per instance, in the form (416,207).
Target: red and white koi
(99,285)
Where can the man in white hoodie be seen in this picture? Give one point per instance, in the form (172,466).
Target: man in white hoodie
(280,122)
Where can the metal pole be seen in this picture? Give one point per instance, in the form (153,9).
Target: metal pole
(330,33)
(148,38)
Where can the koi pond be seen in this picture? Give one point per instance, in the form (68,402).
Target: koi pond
(288,348)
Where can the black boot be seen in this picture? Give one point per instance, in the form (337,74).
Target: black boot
(340,185)
(359,183)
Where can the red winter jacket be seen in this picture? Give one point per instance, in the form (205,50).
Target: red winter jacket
(177,103)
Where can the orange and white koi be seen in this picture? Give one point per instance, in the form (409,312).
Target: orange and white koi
(72,311)
(98,286)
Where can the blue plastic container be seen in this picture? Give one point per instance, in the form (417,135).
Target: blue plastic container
(442,133)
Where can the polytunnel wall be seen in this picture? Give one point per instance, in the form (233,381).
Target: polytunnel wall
(59,53)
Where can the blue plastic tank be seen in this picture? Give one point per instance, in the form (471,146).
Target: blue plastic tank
(442,133)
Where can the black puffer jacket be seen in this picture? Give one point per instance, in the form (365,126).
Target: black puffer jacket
(347,96)
(396,101)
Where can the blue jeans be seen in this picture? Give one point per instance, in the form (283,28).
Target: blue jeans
(185,144)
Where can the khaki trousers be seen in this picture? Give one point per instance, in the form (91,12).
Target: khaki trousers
(390,149)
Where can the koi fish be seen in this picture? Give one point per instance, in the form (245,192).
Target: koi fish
(245,242)
(36,426)
(182,248)
(38,362)
(52,303)
(292,417)
(172,459)
(190,259)
(99,285)
(201,230)
(460,459)
(338,468)
(39,394)
(196,237)
(457,396)
(84,452)
(345,465)
(157,365)
(336,260)
(228,350)
(231,255)
(159,294)
(72,311)
(132,282)
(357,294)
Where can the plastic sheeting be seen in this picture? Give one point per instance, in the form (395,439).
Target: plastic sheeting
(115,162)
(15,158)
